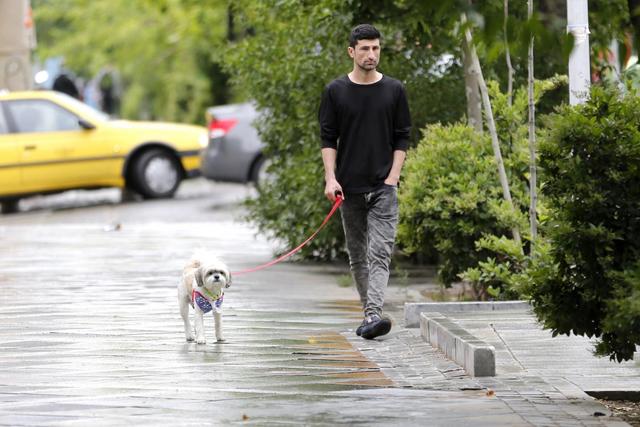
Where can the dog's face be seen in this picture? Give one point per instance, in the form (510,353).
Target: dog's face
(213,275)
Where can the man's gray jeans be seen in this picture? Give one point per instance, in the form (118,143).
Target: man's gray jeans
(370,221)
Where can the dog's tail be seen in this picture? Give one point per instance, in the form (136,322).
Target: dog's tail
(196,259)
(193,263)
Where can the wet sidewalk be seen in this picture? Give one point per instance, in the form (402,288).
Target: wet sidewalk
(90,334)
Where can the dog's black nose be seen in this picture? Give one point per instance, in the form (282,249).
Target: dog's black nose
(216,276)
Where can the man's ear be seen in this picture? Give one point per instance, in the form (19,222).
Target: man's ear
(351,51)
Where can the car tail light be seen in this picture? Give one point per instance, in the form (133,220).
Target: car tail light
(219,128)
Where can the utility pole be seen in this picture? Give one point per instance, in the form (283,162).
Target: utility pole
(579,61)
(533,171)
(17,40)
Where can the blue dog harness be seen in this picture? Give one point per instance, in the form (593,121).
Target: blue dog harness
(205,304)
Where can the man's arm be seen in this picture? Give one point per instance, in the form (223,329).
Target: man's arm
(331,184)
(329,138)
(401,133)
(396,167)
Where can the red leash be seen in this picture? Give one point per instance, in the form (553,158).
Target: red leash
(335,207)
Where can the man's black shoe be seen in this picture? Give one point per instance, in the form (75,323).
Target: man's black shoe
(375,326)
(359,330)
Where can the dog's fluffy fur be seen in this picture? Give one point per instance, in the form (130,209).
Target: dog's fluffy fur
(204,272)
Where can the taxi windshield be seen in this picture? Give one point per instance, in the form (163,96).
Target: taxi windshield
(85,110)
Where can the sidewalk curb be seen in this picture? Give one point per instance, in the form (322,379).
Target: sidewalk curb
(476,356)
(412,311)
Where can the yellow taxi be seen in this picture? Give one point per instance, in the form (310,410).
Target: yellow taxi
(51,142)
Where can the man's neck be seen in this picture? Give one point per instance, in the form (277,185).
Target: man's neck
(363,77)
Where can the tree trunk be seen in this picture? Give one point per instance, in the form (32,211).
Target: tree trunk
(486,103)
(533,192)
(510,70)
(472,89)
(634,17)
(231,28)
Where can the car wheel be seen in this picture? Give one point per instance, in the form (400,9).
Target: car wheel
(9,206)
(260,174)
(156,174)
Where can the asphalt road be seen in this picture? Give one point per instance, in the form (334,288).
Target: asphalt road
(196,200)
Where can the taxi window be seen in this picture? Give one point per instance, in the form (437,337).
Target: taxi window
(36,115)
(3,122)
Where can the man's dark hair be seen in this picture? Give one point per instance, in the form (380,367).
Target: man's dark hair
(363,32)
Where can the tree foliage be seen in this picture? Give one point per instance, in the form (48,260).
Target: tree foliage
(296,49)
(166,51)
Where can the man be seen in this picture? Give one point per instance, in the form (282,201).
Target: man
(63,83)
(364,127)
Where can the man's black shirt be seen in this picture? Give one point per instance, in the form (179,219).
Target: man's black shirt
(366,124)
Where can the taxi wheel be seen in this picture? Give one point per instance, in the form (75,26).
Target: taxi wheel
(156,174)
(9,206)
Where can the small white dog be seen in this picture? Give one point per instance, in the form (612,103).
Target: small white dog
(204,280)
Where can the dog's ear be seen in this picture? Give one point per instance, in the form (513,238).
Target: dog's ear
(228,273)
(198,275)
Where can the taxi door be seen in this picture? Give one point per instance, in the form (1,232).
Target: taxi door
(56,151)
(9,159)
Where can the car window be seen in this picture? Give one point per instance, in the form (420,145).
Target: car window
(83,109)
(36,115)
(3,123)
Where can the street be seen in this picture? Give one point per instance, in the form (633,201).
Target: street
(91,334)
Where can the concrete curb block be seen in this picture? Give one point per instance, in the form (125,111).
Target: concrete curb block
(412,310)
(475,356)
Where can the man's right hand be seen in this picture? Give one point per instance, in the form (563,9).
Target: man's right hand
(331,188)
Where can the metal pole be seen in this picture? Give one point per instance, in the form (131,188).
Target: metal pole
(579,61)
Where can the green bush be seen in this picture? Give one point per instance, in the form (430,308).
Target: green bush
(591,164)
(452,203)
(501,275)
(450,198)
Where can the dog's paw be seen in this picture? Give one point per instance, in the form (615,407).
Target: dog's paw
(221,340)
(191,338)
(201,340)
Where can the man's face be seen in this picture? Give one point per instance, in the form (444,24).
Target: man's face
(366,54)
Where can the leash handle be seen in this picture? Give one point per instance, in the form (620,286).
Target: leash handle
(334,208)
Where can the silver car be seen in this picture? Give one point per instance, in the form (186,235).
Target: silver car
(234,152)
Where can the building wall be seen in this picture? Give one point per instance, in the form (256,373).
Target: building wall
(17,40)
